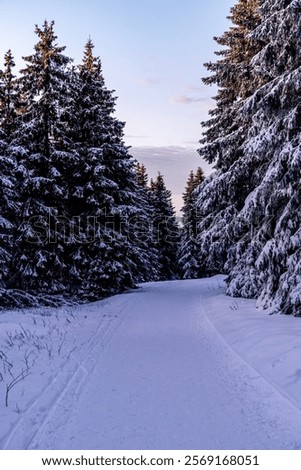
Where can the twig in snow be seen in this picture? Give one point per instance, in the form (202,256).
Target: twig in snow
(14,382)
(62,342)
(49,350)
(26,357)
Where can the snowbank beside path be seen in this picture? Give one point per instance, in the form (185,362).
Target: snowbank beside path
(270,343)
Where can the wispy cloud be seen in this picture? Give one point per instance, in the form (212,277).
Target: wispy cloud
(192,142)
(129,136)
(148,81)
(181,99)
(174,162)
(196,89)
(184,99)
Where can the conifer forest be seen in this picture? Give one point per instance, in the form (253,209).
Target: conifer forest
(123,325)
(79,218)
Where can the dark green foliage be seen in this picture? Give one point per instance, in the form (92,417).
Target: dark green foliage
(165,229)
(9,96)
(9,206)
(268,257)
(235,80)
(189,248)
(103,190)
(42,153)
(74,222)
(223,194)
(77,218)
(141,175)
(249,208)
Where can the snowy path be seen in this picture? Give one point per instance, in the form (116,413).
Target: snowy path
(161,377)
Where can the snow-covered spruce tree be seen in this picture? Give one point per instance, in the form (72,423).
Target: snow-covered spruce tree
(267,262)
(107,255)
(2,92)
(8,192)
(141,175)
(144,224)
(188,250)
(7,206)
(9,95)
(43,157)
(234,77)
(222,195)
(165,228)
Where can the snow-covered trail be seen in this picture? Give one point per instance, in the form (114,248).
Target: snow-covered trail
(163,378)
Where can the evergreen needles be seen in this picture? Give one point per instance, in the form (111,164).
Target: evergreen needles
(72,209)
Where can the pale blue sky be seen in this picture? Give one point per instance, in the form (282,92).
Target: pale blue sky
(152,53)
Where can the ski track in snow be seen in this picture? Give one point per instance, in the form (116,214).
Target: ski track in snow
(38,414)
(157,374)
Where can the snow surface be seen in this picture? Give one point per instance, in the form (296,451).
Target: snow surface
(171,365)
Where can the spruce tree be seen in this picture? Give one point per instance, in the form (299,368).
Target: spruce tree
(7,209)
(103,190)
(222,195)
(143,226)
(141,175)
(165,228)
(253,232)
(189,249)
(2,95)
(9,202)
(43,156)
(266,261)
(8,95)
(233,76)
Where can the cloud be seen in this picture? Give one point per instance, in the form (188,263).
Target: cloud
(128,136)
(183,99)
(196,88)
(191,142)
(148,81)
(174,162)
